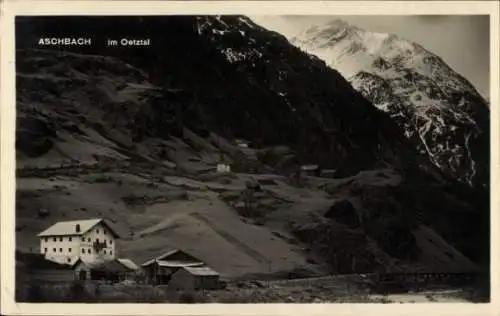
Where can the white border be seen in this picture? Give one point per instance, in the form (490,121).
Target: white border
(7,154)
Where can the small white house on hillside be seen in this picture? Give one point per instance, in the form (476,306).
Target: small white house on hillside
(221,167)
(89,240)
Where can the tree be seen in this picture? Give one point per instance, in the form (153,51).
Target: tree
(298,176)
(248,196)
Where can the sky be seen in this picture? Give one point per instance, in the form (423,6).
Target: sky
(462,41)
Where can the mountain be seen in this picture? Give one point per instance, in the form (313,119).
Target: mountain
(134,134)
(439,110)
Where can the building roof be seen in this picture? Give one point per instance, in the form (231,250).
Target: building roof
(309,167)
(328,170)
(160,257)
(128,263)
(167,254)
(178,264)
(202,271)
(67,228)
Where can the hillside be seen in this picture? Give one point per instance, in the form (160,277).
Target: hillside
(439,110)
(134,135)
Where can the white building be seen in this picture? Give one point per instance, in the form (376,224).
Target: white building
(222,167)
(90,240)
(241,143)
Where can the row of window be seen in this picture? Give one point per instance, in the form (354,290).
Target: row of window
(70,239)
(55,250)
(90,251)
(55,239)
(69,250)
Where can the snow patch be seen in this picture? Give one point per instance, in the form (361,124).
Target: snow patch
(218,32)
(233,56)
(246,22)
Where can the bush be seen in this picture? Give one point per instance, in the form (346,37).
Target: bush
(77,292)
(191,298)
(187,298)
(35,293)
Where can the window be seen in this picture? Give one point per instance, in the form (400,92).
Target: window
(54,239)
(46,239)
(104,241)
(69,249)
(97,230)
(60,239)
(83,239)
(88,250)
(69,238)
(110,252)
(45,250)
(104,231)
(83,250)
(104,251)
(69,260)
(110,242)
(55,250)
(60,249)
(88,239)
(97,240)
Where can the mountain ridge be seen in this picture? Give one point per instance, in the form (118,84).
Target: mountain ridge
(421,82)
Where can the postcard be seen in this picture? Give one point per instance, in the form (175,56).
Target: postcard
(249,158)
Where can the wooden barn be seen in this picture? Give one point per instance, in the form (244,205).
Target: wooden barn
(310,170)
(160,269)
(328,173)
(109,270)
(194,278)
(133,271)
(33,267)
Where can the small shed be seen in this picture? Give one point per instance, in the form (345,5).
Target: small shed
(133,273)
(106,270)
(242,143)
(194,278)
(160,269)
(328,173)
(310,170)
(222,167)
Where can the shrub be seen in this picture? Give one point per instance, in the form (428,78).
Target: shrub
(77,292)
(187,298)
(191,298)
(35,293)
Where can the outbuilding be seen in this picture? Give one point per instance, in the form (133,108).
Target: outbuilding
(108,270)
(194,278)
(310,170)
(160,269)
(133,271)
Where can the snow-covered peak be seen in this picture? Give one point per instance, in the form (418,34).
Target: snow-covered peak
(437,108)
(350,49)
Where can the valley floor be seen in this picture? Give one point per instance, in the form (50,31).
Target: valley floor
(341,289)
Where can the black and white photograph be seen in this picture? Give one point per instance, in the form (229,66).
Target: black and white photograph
(251,159)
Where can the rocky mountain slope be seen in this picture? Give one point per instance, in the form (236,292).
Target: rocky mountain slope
(134,134)
(439,110)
